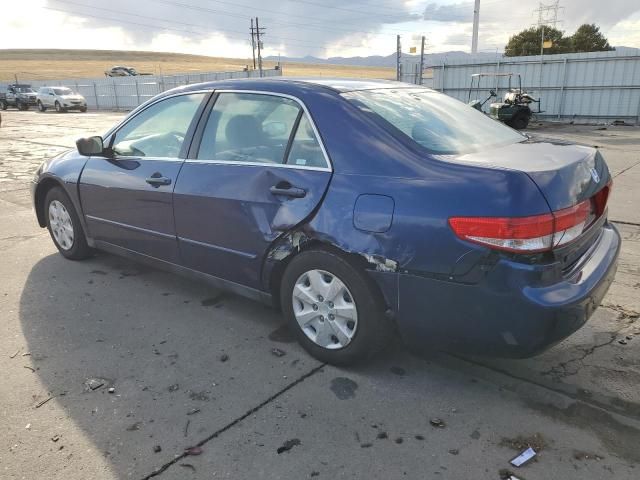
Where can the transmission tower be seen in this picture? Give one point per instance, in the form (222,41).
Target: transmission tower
(547,17)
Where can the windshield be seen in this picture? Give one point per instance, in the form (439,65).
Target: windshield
(63,91)
(439,123)
(24,90)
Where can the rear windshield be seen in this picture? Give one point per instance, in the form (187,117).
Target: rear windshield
(436,121)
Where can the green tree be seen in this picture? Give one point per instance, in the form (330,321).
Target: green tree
(528,42)
(588,38)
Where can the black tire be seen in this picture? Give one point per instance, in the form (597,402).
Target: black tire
(373,329)
(41,107)
(59,107)
(520,121)
(79,249)
(3,105)
(22,106)
(83,109)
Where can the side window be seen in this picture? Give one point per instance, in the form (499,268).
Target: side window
(305,148)
(159,130)
(248,127)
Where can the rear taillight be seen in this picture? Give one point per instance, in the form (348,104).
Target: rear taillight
(537,233)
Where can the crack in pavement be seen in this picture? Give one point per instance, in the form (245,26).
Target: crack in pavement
(626,169)
(231,424)
(622,222)
(560,370)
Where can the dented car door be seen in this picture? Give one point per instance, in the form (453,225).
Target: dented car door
(256,169)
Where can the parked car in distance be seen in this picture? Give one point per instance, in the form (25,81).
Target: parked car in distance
(60,98)
(120,71)
(19,95)
(358,207)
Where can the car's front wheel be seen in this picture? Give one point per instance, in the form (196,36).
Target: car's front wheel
(41,107)
(59,107)
(64,226)
(334,309)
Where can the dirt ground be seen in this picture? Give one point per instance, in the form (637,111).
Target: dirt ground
(65,64)
(194,367)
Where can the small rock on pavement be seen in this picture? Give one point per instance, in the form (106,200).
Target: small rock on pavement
(174,387)
(193,450)
(157,449)
(454,451)
(277,352)
(438,423)
(111,390)
(224,357)
(55,438)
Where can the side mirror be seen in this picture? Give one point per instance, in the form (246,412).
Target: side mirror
(51,93)
(90,146)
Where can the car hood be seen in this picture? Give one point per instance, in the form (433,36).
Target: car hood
(565,173)
(72,97)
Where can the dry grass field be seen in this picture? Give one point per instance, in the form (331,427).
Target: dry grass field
(65,64)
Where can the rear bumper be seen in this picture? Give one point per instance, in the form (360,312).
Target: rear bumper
(503,315)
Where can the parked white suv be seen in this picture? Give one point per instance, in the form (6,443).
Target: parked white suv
(60,98)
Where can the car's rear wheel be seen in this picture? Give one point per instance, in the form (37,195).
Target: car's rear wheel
(59,108)
(64,226)
(3,105)
(333,308)
(41,107)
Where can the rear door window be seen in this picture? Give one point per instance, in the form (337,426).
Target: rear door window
(262,129)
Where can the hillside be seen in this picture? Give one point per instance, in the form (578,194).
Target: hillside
(45,64)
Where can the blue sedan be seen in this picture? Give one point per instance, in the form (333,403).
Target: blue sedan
(359,208)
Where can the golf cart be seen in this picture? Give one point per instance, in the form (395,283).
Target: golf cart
(514,110)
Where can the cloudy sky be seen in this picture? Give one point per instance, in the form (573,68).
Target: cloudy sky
(320,28)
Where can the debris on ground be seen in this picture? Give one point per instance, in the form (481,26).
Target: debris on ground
(92,384)
(523,458)
(419,437)
(174,388)
(111,390)
(134,427)
(454,451)
(189,466)
(28,426)
(42,402)
(224,357)
(366,445)
(399,440)
(186,428)
(438,423)
(535,441)
(382,435)
(508,475)
(193,411)
(193,451)
(622,342)
(288,445)
(157,449)
(579,455)
(33,370)
(15,354)
(277,352)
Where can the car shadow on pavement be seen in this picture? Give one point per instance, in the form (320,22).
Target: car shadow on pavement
(182,359)
(147,363)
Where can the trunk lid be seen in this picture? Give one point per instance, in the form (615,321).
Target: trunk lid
(565,173)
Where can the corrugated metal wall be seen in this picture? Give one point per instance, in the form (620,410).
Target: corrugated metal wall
(598,86)
(126,93)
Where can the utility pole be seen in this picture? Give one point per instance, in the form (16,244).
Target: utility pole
(260,46)
(476,25)
(421,59)
(398,55)
(253,44)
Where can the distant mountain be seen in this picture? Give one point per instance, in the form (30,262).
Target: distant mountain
(380,60)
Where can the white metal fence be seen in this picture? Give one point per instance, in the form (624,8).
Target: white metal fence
(126,93)
(597,86)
